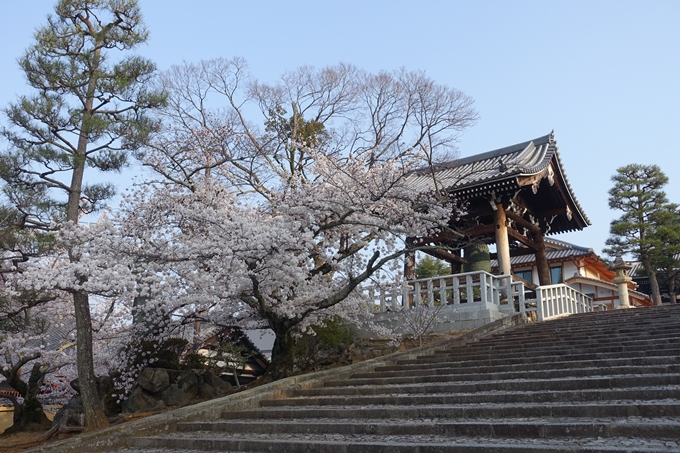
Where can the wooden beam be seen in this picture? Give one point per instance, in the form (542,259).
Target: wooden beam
(480,230)
(552,212)
(523,239)
(446,256)
(530,180)
(441,237)
(520,221)
(521,251)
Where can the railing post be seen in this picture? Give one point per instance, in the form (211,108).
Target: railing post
(442,292)
(416,298)
(456,290)
(483,287)
(469,291)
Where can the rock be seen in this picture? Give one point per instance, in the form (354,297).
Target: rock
(142,401)
(74,405)
(104,384)
(220,387)
(154,380)
(188,383)
(174,396)
(207,392)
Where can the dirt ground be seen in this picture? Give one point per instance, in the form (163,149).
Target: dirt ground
(21,441)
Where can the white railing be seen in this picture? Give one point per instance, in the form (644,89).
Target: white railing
(468,288)
(558,300)
(479,288)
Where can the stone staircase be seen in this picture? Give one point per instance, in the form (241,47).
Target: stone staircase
(595,382)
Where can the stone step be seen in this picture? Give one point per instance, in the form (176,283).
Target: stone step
(503,359)
(339,443)
(619,408)
(447,375)
(539,385)
(524,427)
(596,382)
(624,342)
(570,353)
(603,338)
(399,398)
(576,323)
(509,357)
(579,321)
(532,365)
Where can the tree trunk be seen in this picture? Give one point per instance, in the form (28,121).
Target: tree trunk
(671,289)
(283,355)
(653,282)
(30,415)
(93,407)
(95,417)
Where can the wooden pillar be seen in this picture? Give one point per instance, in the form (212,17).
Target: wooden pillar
(502,242)
(456,266)
(541,260)
(410,266)
(409,273)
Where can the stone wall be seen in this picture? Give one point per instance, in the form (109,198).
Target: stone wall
(459,317)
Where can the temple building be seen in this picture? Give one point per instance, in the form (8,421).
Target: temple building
(580,268)
(516,198)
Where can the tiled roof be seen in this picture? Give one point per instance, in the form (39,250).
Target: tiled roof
(566,250)
(525,158)
(495,170)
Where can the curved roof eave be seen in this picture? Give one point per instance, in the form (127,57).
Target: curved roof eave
(523,159)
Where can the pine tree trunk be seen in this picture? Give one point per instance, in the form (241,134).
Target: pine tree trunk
(671,289)
(653,282)
(93,407)
(95,417)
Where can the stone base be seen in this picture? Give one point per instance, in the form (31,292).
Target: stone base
(449,318)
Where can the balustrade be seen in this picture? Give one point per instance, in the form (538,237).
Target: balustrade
(471,288)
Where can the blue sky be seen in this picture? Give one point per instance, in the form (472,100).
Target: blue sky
(602,74)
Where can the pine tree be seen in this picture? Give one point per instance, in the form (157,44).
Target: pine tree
(638,193)
(87,113)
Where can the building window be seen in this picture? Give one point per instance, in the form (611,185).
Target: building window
(526,275)
(556,275)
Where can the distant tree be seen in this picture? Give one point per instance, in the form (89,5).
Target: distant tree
(638,193)
(87,114)
(431,267)
(665,258)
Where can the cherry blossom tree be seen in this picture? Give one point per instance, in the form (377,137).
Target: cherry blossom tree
(286,262)
(287,198)
(37,335)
